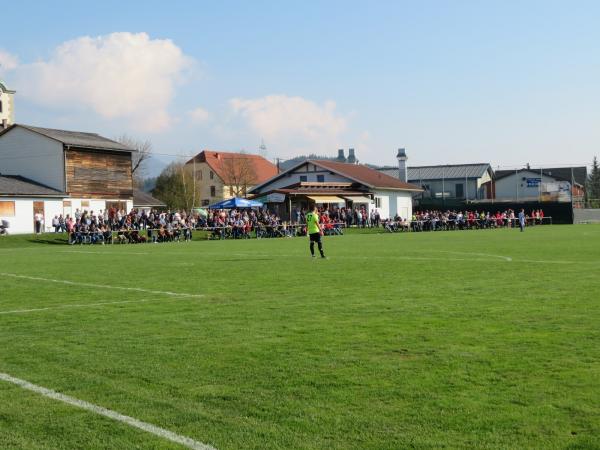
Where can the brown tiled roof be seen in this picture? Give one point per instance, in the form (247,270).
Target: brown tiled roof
(263,169)
(365,175)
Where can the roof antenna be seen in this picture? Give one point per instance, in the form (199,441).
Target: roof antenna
(262,149)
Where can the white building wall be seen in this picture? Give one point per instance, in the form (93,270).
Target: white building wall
(384,204)
(25,153)
(51,208)
(404,206)
(394,202)
(22,222)
(516,186)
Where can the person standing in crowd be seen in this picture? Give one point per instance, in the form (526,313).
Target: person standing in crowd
(56,224)
(38,219)
(522,219)
(314,231)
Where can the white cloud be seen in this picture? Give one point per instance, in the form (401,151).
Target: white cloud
(199,115)
(292,125)
(7,61)
(118,76)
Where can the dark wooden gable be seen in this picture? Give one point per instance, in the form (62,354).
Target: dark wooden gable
(92,173)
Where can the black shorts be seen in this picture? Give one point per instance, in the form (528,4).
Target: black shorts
(315,237)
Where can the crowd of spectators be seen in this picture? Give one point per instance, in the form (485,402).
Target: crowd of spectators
(436,220)
(138,226)
(114,225)
(244,224)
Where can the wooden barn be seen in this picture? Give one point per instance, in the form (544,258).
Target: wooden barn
(94,172)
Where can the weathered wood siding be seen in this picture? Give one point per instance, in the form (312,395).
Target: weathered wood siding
(98,174)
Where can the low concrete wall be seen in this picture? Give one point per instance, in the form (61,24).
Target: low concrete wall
(586,215)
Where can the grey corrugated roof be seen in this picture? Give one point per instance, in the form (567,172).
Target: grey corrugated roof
(77,138)
(438,172)
(141,198)
(561,173)
(14,185)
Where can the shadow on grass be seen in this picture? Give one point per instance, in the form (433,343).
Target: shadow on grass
(53,241)
(243,259)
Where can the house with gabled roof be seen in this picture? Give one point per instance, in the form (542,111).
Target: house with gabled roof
(333,183)
(93,172)
(221,175)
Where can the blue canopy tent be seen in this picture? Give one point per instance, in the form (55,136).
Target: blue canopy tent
(236,202)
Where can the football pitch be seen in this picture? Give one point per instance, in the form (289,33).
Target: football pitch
(466,339)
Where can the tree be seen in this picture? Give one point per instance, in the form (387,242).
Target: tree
(175,186)
(142,151)
(239,174)
(593,185)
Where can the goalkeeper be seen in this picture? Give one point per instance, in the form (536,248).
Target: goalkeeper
(314,231)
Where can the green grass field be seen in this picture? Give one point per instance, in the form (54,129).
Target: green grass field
(479,339)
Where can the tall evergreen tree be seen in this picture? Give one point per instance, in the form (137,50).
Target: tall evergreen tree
(593,185)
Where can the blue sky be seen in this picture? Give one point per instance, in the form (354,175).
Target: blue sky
(453,82)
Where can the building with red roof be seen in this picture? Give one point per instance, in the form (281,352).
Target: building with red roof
(333,183)
(221,175)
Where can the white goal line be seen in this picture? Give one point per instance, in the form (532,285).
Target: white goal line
(131,421)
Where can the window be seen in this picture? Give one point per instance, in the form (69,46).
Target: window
(117,206)
(199,175)
(212,175)
(66,204)
(205,202)
(460,192)
(213,191)
(320,178)
(303,178)
(85,203)
(7,209)
(377,202)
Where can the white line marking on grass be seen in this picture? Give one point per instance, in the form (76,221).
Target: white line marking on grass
(557,261)
(144,426)
(106,286)
(505,258)
(76,305)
